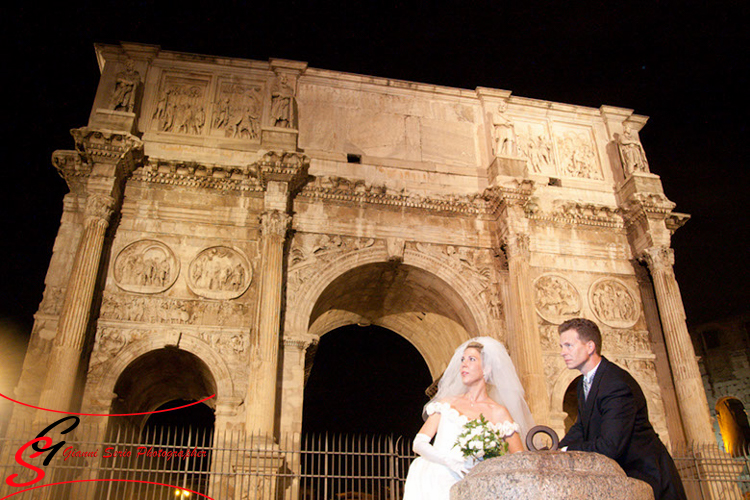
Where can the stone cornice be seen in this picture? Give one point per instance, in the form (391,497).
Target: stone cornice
(290,168)
(344,190)
(585,214)
(500,197)
(191,174)
(642,206)
(105,146)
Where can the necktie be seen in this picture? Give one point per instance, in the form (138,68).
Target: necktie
(586,387)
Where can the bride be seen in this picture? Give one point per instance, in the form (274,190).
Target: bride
(480,380)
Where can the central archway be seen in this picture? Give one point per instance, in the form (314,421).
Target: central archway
(416,304)
(365,380)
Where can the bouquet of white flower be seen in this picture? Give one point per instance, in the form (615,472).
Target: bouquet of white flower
(481,439)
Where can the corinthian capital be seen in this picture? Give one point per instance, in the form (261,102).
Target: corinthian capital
(99,208)
(274,223)
(659,258)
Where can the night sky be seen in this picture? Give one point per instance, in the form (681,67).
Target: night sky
(683,65)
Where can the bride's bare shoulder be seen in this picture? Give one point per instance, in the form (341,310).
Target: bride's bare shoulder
(500,414)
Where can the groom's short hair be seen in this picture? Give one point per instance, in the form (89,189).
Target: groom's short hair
(586,330)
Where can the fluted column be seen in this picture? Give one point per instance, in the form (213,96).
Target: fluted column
(265,346)
(524,339)
(76,309)
(687,378)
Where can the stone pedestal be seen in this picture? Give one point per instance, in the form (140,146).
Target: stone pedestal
(550,475)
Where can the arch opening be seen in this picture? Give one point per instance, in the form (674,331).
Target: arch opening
(734,426)
(417,304)
(570,403)
(172,446)
(365,380)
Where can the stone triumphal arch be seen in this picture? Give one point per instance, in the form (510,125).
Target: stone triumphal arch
(227,213)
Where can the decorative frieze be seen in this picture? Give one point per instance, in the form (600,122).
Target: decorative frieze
(159,310)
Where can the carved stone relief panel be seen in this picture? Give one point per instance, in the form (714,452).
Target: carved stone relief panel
(181,105)
(549,336)
(576,153)
(237,110)
(613,303)
(556,299)
(535,145)
(146,266)
(229,346)
(140,309)
(219,273)
(626,341)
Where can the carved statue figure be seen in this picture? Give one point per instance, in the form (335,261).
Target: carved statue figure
(503,134)
(281,102)
(126,85)
(631,152)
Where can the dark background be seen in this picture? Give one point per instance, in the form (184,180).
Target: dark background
(683,64)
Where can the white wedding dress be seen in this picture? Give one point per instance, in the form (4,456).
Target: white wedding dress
(428,480)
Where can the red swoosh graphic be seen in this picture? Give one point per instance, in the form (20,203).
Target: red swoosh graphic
(105,414)
(93,480)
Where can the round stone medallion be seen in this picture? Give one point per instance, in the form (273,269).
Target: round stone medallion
(220,273)
(146,266)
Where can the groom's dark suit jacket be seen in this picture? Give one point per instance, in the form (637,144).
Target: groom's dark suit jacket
(613,421)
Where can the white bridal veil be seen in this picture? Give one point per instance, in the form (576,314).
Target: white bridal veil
(503,385)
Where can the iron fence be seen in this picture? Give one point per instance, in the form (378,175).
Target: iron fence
(184,463)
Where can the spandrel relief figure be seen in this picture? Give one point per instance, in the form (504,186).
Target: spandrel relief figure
(220,273)
(282,95)
(503,133)
(146,266)
(126,87)
(631,152)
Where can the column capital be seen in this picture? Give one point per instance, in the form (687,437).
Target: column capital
(660,258)
(275,223)
(99,209)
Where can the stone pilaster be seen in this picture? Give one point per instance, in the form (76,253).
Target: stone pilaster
(265,347)
(525,342)
(282,175)
(71,328)
(96,170)
(687,379)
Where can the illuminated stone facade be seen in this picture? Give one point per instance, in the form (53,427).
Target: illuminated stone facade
(235,211)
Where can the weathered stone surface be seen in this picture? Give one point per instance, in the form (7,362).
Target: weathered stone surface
(550,475)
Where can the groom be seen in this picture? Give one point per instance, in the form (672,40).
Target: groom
(612,414)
